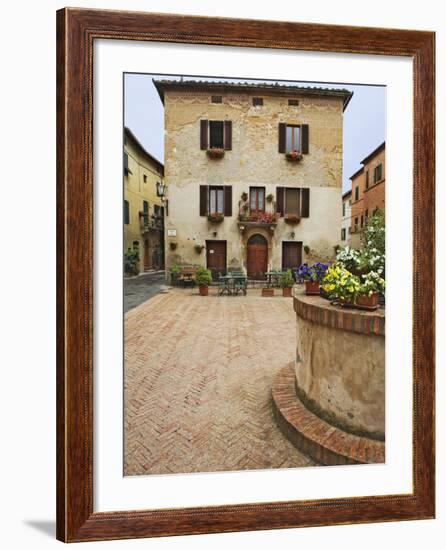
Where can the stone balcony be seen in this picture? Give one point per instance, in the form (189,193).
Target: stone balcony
(248,218)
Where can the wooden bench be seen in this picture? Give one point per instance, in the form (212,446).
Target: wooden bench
(186,277)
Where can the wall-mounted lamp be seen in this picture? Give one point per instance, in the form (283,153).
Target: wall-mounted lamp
(161,190)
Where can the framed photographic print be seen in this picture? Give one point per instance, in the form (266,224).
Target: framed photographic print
(245,275)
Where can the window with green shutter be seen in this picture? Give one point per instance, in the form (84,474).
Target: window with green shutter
(145,205)
(126,212)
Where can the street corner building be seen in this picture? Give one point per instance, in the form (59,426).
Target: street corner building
(368,192)
(254,174)
(143,204)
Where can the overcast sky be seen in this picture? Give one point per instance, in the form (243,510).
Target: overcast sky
(364,117)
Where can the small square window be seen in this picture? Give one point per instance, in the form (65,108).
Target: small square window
(293,102)
(216,99)
(257,101)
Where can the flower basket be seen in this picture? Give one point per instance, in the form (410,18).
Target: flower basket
(199,248)
(367,302)
(215,153)
(312,288)
(293,156)
(292,219)
(215,217)
(173,245)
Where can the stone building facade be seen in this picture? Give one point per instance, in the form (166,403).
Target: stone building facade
(346,218)
(254,174)
(368,191)
(143,207)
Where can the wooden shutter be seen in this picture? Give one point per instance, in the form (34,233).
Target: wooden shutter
(228,135)
(282,137)
(204,200)
(280,203)
(228,200)
(204,134)
(305,136)
(305,203)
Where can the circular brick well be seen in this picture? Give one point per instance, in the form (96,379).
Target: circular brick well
(331,402)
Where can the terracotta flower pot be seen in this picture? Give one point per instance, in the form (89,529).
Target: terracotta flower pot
(368,301)
(312,288)
(268,292)
(286,291)
(204,290)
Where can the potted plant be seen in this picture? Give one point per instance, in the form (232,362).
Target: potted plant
(198,248)
(306,249)
(293,156)
(244,196)
(312,276)
(131,259)
(340,284)
(287,282)
(269,198)
(215,152)
(203,278)
(172,245)
(174,272)
(268,292)
(371,286)
(292,219)
(215,217)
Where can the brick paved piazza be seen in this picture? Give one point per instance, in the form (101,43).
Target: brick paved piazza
(198,374)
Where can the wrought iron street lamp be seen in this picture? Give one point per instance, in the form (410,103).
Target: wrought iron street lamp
(161,190)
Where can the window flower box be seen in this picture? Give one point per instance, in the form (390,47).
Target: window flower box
(292,219)
(215,217)
(215,152)
(294,156)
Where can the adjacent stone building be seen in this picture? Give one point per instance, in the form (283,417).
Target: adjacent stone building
(254,174)
(368,191)
(346,218)
(143,204)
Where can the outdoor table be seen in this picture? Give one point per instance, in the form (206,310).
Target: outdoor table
(224,285)
(232,283)
(274,274)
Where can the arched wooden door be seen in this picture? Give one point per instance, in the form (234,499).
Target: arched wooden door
(257,257)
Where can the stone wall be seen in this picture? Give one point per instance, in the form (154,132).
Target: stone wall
(340,365)
(253,161)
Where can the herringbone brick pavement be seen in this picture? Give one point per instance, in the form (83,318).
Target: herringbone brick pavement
(198,377)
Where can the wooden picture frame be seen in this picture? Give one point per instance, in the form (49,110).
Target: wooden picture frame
(76,31)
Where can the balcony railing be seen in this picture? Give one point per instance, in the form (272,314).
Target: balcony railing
(248,217)
(152,222)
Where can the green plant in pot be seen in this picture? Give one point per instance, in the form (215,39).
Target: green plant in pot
(174,272)
(287,282)
(203,278)
(269,198)
(131,259)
